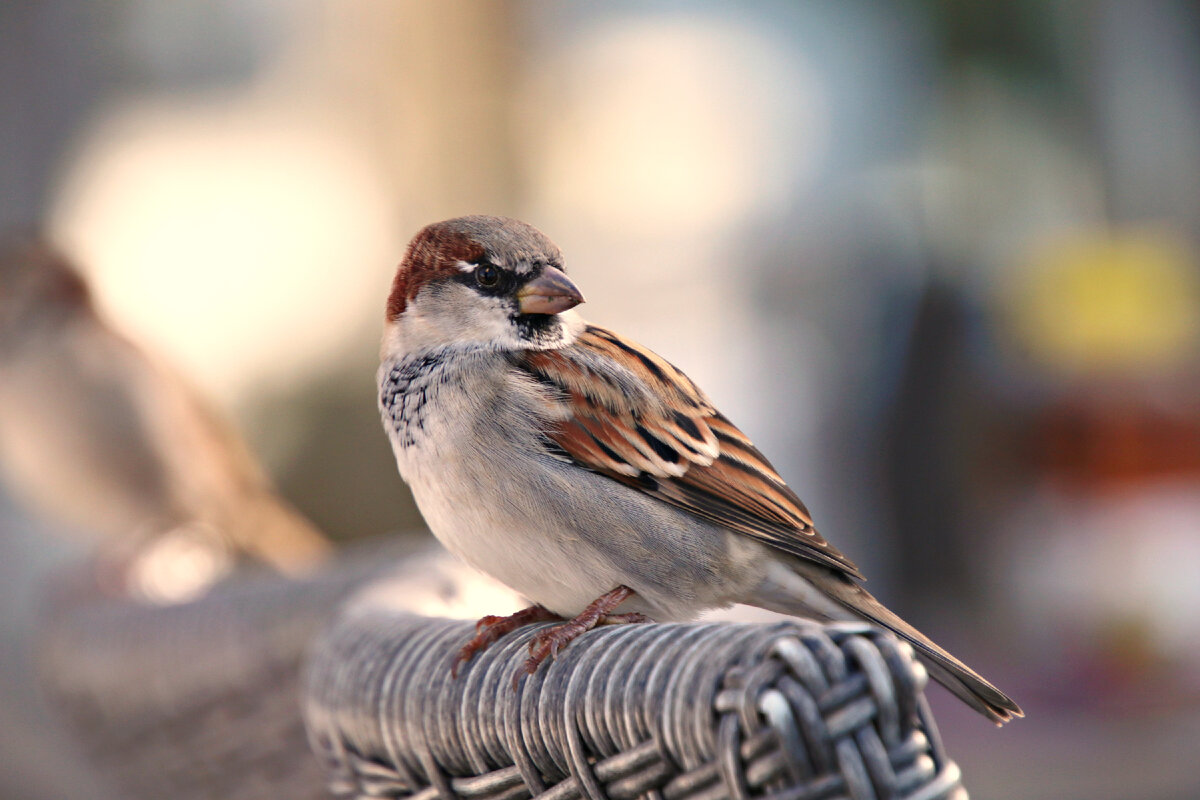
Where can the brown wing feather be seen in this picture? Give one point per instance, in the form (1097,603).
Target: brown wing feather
(634,417)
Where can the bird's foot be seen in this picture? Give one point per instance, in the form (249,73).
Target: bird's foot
(547,643)
(491,628)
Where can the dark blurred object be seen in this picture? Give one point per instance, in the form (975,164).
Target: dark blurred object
(684,711)
(95,433)
(53,68)
(926,446)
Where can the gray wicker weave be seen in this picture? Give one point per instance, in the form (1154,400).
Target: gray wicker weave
(201,700)
(791,711)
(204,700)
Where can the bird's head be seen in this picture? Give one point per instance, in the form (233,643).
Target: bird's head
(40,290)
(481,281)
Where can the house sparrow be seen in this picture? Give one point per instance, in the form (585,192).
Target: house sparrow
(95,432)
(585,471)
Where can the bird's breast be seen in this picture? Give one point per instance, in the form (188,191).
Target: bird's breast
(468,440)
(451,414)
(405,388)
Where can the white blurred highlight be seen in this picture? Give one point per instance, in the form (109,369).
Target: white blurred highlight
(665,126)
(436,584)
(248,245)
(180,565)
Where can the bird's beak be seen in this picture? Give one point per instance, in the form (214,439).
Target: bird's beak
(548,293)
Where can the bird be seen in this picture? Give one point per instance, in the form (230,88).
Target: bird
(99,435)
(585,471)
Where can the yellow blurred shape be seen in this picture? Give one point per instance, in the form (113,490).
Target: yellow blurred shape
(1109,301)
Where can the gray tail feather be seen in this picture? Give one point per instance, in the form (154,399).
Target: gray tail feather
(782,593)
(964,682)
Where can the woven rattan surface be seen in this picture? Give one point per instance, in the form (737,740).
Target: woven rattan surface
(200,700)
(790,711)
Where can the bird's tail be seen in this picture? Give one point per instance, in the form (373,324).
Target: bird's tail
(815,591)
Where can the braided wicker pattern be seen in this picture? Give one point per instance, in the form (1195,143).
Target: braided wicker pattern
(200,700)
(195,701)
(793,711)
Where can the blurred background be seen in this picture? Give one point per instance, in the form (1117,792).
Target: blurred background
(938,259)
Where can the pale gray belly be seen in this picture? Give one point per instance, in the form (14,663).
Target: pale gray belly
(562,536)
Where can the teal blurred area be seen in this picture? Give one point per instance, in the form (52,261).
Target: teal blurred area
(939,260)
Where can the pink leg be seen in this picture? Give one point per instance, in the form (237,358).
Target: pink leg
(490,628)
(547,643)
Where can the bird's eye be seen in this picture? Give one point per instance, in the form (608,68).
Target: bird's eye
(487,276)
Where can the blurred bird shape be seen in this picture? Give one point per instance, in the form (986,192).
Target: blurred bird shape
(101,437)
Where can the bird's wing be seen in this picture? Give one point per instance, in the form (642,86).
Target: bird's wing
(626,413)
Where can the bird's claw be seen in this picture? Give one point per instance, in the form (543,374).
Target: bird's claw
(491,628)
(546,644)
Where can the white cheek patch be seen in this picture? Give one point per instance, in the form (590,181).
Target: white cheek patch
(572,326)
(451,314)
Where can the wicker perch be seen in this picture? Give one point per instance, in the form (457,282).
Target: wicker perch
(205,700)
(790,711)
